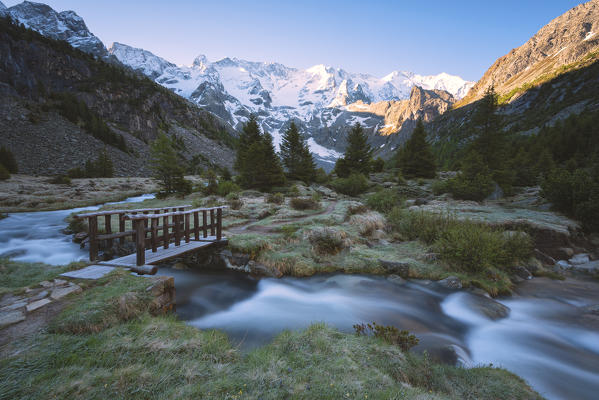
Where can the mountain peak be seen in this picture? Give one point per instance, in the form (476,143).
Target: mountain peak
(66,25)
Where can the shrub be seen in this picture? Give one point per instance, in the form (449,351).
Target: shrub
(421,225)
(60,180)
(234,203)
(4,174)
(390,334)
(474,247)
(378,165)
(354,209)
(354,185)
(294,191)
(275,198)
(576,194)
(7,159)
(384,200)
(439,187)
(321,176)
(368,223)
(211,183)
(474,182)
(226,187)
(327,240)
(303,203)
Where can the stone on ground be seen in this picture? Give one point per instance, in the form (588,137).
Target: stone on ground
(9,318)
(37,304)
(91,272)
(61,292)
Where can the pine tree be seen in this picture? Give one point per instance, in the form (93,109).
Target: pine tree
(416,158)
(358,155)
(296,156)
(167,166)
(248,152)
(257,162)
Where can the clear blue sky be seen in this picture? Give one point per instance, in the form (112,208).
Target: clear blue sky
(373,36)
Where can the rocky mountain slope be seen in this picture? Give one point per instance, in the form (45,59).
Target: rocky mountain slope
(61,106)
(552,50)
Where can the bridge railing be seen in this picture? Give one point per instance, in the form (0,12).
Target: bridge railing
(120,232)
(210,228)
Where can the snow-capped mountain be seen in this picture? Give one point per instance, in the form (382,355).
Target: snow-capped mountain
(65,25)
(322,100)
(318,98)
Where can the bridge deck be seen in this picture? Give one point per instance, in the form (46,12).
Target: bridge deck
(160,255)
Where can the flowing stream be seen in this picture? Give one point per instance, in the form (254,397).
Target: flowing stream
(550,336)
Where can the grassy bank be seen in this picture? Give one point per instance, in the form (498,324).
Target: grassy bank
(22,193)
(130,354)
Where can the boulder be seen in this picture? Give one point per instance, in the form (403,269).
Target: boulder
(398,280)
(522,272)
(579,259)
(488,307)
(544,258)
(564,253)
(396,267)
(562,264)
(451,282)
(588,268)
(257,268)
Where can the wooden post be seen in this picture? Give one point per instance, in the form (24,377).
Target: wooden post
(154,234)
(187,233)
(108,228)
(205,223)
(140,238)
(196,225)
(212,223)
(165,234)
(93,242)
(177,230)
(121,228)
(219,224)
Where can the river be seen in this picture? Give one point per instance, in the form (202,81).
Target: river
(549,337)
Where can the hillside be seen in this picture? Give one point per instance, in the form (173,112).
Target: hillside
(554,49)
(61,106)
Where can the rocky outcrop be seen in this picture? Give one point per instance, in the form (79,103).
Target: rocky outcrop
(565,40)
(65,25)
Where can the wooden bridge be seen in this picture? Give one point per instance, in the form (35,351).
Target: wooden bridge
(180,228)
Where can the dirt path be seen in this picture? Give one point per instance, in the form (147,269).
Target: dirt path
(271,229)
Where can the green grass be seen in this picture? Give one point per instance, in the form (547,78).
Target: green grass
(163,358)
(117,297)
(16,276)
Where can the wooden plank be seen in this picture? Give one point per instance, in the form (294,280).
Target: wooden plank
(205,223)
(212,225)
(177,230)
(108,228)
(196,225)
(219,224)
(132,211)
(158,257)
(140,238)
(165,228)
(154,234)
(93,240)
(187,233)
(121,228)
(135,215)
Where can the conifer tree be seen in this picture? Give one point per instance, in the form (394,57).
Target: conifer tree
(257,162)
(358,155)
(416,158)
(7,159)
(167,166)
(296,156)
